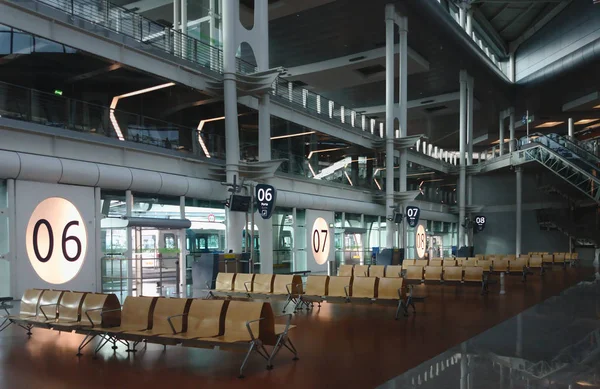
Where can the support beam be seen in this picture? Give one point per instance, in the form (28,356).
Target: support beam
(501,132)
(470,86)
(462,149)
(403,88)
(511,128)
(390,16)
(519,211)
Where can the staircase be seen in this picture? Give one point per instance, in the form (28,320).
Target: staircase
(584,234)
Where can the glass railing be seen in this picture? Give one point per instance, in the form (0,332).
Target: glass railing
(152,34)
(61,112)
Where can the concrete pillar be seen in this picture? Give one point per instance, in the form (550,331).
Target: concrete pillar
(462,148)
(354,170)
(184,18)
(390,15)
(98,238)
(235,220)
(182,252)
(129,254)
(501,133)
(571,128)
(265,230)
(511,128)
(402,105)
(470,102)
(261,15)
(519,173)
(462,15)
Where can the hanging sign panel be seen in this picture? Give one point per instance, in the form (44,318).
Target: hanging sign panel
(480,222)
(265,200)
(412,215)
(56,240)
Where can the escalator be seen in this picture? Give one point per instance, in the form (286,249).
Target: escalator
(571,150)
(580,173)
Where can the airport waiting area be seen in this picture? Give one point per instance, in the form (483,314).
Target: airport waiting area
(300,194)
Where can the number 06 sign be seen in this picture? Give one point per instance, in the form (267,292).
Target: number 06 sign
(320,241)
(56,240)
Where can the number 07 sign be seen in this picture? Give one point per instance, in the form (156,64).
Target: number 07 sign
(320,241)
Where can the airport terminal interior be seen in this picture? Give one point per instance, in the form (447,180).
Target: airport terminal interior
(300,193)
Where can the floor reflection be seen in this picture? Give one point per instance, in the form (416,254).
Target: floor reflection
(555,344)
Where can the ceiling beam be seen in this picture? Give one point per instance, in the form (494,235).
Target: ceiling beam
(491,32)
(538,25)
(94,73)
(519,17)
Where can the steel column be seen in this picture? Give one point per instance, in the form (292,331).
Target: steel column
(462,148)
(519,173)
(390,14)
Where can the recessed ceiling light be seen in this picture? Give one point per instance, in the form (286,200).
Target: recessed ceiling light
(548,124)
(585,121)
(597,107)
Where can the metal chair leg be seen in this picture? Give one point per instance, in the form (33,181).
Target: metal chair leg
(246,360)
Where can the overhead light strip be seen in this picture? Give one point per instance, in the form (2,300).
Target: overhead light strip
(292,135)
(325,150)
(115,101)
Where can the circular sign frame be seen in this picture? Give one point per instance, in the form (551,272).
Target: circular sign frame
(56,240)
(420,241)
(320,241)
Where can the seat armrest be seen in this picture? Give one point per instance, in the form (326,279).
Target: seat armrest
(246,286)
(94,310)
(288,321)
(47,305)
(250,329)
(171,323)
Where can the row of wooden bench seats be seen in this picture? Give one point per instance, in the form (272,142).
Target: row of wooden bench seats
(201,323)
(318,288)
(449,274)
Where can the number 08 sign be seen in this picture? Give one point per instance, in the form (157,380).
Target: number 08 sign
(56,240)
(320,241)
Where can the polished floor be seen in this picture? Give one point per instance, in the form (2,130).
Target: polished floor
(357,346)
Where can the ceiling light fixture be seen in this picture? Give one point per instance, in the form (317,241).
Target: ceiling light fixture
(325,150)
(292,135)
(597,107)
(200,127)
(115,101)
(585,121)
(548,124)
(348,177)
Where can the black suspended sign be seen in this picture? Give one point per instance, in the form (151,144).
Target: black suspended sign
(412,215)
(480,222)
(265,200)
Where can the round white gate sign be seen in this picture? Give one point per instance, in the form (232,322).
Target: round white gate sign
(320,241)
(56,240)
(420,241)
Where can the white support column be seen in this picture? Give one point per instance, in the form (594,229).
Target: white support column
(469,22)
(184,19)
(235,220)
(390,15)
(462,15)
(571,128)
(462,148)
(98,238)
(519,173)
(261,13)
(501,132)
(12,235)
(176,26)
(403,101)
(129,254)
(182,252)
(511,128)
(470,102)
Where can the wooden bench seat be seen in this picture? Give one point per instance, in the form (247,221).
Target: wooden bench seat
(393,271)
(346,271)
(453,274)
(98,310)
(433,273)
(414,273)
(436,262)
(28,311)
(377,271)
(448,262)
(47,309)
(500,265)
(392,289)
(364,288)
(361,271)
(69,312)
(475,274)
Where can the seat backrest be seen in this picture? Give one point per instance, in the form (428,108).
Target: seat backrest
(317,285)
(243,280)
(484,263)
(448,262)
(94,304)
(364,287)
(547,257)
(414,273)
(225,281)
(346,270)
(240,312)
(29,301)
(205,318)
(517,264)
(474,273)
(453,273)
(459,261)
(377,271)
(393,271)
(281,282)
(361,270)
(421,262)
(574,256)
(500,264)
(535,261)
(560,257)
(388,288)
(408,262)
(166,307)
(490,257)
(69,308)
(337,286)
(433,272)
(137,312)
(263,283)
(469,262)
(50,300)
(436,262)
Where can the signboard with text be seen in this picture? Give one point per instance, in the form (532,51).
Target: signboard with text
(480,222)
(265,200)
(412,215)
